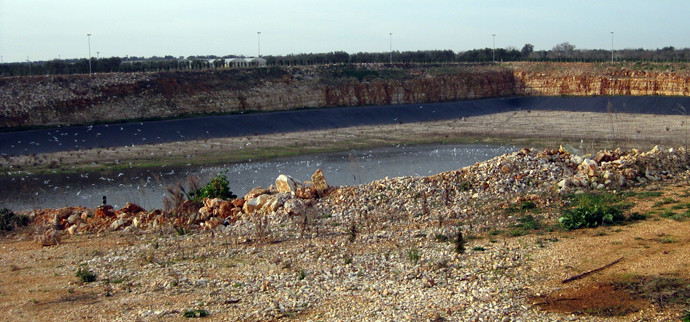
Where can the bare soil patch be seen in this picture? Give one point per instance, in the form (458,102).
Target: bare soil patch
(654,275)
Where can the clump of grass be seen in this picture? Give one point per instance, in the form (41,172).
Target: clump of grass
(524,225)
(523,206)
(675,216)
(85,275)
(478,249)
(662,291)
(413,255)
(665,201)
(198,313)
(590,210)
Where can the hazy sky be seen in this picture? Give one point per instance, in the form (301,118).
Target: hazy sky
(48,29)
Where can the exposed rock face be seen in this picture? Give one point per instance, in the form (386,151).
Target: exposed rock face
(78,99)
(571,81)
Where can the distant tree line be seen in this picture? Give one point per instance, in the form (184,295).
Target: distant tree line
(561,52)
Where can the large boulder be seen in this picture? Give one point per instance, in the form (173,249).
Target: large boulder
(319,182)
(295,207)
(275,202)
(286,184)
(255,193)
(255,204)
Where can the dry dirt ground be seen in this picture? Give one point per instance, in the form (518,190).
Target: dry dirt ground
(651,281)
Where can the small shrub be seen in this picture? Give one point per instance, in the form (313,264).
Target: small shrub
(460,243)
(198,313)
(636,216)
(352,232)
(10,221)
(85,275)
(218,187)
(478,249)
(302,274)
(592,210)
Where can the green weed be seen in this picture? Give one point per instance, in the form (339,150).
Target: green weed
(413,255)
(591,210)
(85,275)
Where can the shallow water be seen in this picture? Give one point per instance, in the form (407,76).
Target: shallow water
(147,187)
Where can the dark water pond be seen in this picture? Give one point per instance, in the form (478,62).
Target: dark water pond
(147,187)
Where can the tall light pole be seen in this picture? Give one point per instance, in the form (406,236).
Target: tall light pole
(258,35)
(29,62)
(390,50)
(612,46)
(88,36)
(98,55)
(493,50)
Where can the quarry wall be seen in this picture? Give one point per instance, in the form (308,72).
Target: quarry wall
(83,99)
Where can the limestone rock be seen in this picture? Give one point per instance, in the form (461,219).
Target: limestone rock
(239,202)
(286,184)
(320,184)
(275,202)
(73,219)
(256,203)
(295,207)
(257,191)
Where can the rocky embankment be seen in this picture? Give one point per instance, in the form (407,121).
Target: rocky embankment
(456,195)
(310,250)
(81,99)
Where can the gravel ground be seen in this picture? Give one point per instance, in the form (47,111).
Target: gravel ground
(381,251)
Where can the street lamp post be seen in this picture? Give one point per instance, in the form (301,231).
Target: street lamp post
(88,36)
(98,55)
(258,35)
(612,46)
(493,50)
(390,50)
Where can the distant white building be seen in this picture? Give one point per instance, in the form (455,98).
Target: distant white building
(246,62)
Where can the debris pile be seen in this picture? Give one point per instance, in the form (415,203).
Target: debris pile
(450,194)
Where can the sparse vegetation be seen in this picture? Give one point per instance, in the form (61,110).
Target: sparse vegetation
(413,255)
(85,275)
(10,221)
(590,210)
(196,313)
(460,243)
(218,187)
(661,290)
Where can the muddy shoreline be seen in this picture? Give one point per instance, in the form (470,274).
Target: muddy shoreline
(585,131)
